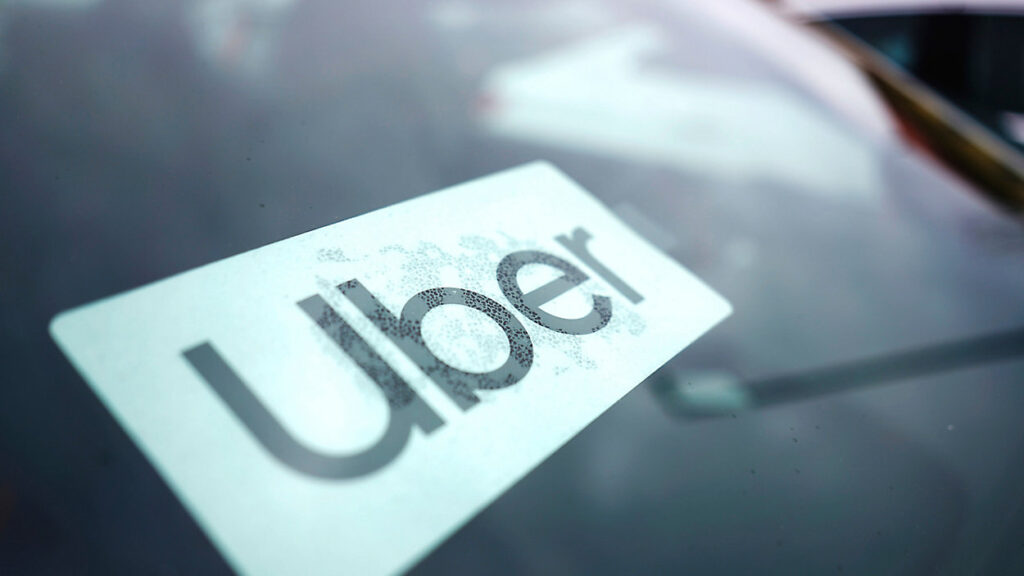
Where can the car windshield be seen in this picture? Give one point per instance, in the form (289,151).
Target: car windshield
(859,412)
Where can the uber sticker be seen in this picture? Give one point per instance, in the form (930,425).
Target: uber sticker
(342,401)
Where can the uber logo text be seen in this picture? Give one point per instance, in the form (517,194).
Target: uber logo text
(406,408)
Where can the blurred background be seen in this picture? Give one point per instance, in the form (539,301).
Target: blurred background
(968,51)
(846,173)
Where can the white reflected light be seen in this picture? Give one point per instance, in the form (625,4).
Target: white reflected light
(598,96)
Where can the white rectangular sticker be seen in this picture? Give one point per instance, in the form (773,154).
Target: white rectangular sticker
(342,401)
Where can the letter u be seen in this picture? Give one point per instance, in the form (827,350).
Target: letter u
(407,409)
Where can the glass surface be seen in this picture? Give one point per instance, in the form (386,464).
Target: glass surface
(859,413)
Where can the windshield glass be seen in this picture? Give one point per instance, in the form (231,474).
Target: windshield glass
(858,413)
